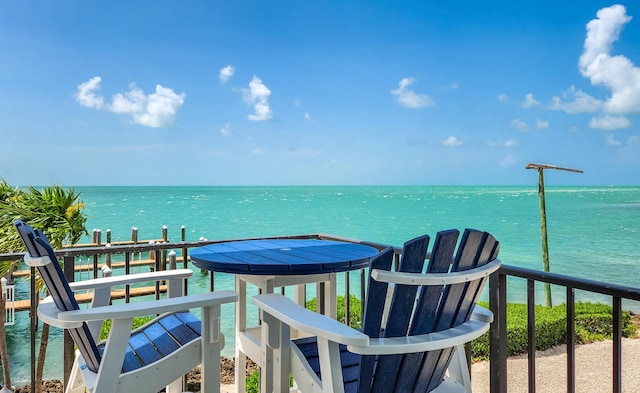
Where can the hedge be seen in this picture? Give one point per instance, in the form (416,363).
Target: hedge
(593,322)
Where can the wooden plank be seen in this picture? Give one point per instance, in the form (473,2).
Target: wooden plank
(475,250)
(400,313)
(373,313)
(23,305)
(114,265)
(118,243)
(415,369)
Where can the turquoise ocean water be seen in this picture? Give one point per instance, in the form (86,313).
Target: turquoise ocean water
(593,231)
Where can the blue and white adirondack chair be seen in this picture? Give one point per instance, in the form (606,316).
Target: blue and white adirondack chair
(417,320)
(145,360)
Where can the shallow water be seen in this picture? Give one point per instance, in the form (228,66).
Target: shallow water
(593,231)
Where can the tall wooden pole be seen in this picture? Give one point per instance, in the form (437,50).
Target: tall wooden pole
(543,231)
(543,220)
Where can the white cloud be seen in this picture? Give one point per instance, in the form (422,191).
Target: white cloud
(529,101)
(616,73)
(257,151)
(507,144)
(609,122)
(451,141)
(520,125)
(86,93)
(154,110)
(307,116)
(503,98)
(226,73)
(408,98)
(541,124)
(258,96)
(611,141)
(578,102)
(226,130)
(132,101)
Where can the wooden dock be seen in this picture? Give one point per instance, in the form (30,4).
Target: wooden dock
(83,298)
(114,265)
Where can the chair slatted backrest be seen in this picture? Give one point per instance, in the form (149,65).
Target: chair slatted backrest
(418,310)
(38,245)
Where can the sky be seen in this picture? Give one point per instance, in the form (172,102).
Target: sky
(319,92)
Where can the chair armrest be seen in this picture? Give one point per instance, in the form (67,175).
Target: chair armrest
(475,327)
(287,311)
(298,317)
(107,282)
(49,313)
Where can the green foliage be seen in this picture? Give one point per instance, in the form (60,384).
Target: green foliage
(137,322)
(355,310)
(55,210)
(593,322)
(253,382)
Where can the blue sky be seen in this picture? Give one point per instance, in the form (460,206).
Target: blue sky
(325,92)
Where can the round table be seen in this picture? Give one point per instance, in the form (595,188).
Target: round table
(271,263)
(282,256)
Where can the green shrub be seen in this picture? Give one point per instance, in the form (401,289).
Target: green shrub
(137,322)
(253,382)
(593,322)
(355,310)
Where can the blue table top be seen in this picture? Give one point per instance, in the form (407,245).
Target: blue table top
(282,257)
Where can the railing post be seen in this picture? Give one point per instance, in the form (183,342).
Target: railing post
(347,302)
(69,353)
(531,334)
(34,324)
(98,241)
(571,341)
(185,254)
(362,292)
(617,344)
(127,270)
(498,332)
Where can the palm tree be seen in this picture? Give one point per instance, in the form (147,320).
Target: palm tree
(7,194)
(56,211)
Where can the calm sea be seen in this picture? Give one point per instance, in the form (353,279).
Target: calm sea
(593,231)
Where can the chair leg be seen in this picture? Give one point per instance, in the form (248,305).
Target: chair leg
(274,371)
(176,386)
(211,343)
(75,384)
(458,369)
(330,366)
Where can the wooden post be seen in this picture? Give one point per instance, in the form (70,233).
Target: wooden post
(543,220)
(108,256)
(543,232)
(165,234)
(134,235)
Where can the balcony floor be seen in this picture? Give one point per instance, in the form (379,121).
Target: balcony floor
(593,369)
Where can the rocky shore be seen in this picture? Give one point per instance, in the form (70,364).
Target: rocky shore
(227,377)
